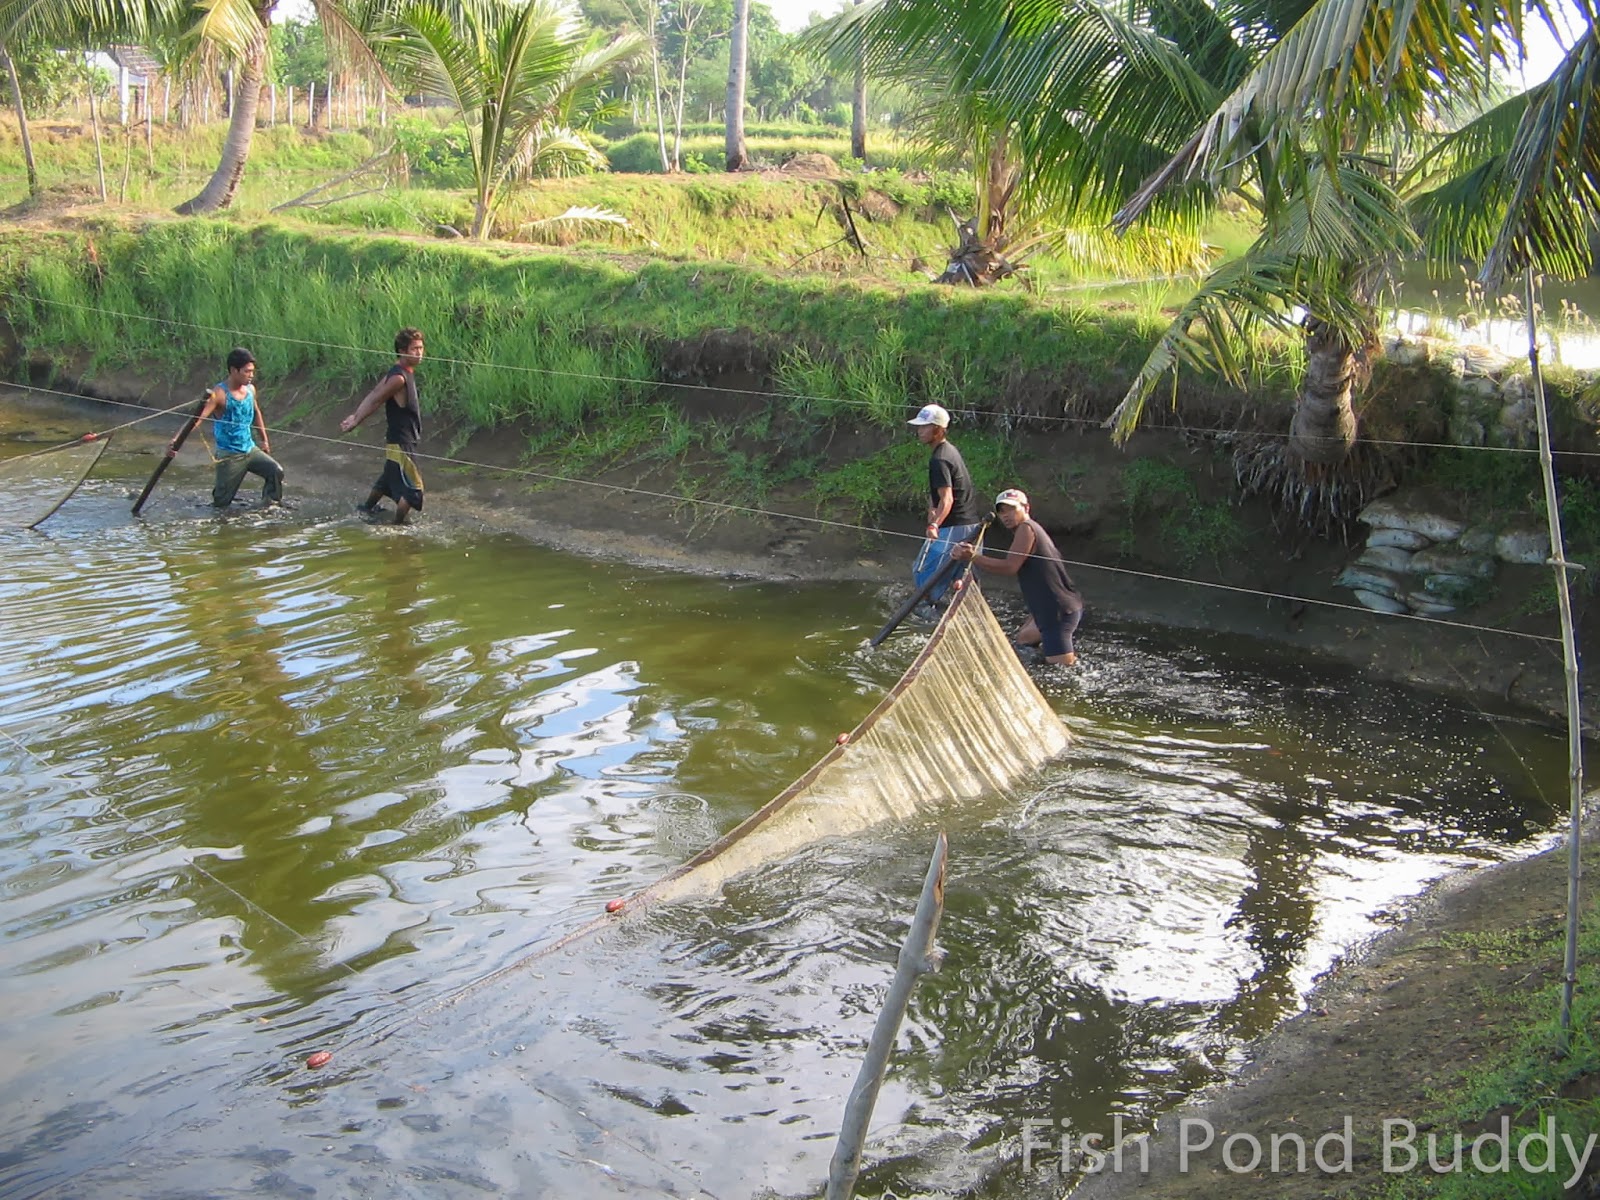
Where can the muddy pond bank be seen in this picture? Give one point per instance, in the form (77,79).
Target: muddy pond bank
(1272,591)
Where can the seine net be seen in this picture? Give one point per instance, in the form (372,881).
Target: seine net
(965,720)
(32,486)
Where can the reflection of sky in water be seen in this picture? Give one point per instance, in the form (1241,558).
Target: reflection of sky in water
(400,772)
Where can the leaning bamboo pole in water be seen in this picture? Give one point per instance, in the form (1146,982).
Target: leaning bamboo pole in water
(1569,653)
(917,958)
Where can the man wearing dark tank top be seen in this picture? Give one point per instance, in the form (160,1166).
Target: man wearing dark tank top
(401,481)
(1054,605)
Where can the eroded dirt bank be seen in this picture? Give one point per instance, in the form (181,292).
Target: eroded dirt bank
(1275,595)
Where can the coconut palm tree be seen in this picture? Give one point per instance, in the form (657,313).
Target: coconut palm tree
(1301,109)
(1050,101)
(235,30)
(1350,76)
(524,78)
(21,112)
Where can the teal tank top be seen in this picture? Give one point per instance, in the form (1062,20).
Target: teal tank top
(233,427)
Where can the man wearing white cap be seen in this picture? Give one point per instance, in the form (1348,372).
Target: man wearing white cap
(1052,599)
(952,507)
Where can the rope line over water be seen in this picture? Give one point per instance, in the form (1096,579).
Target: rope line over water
(1086,422)
(828,523)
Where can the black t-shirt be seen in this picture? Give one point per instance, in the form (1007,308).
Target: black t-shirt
(947,470)
(404,427)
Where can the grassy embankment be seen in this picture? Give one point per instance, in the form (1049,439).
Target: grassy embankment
(1525,1079)
(775,221)
(571,350)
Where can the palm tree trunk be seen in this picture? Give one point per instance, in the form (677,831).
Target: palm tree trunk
(677,108)
(858,110)
(655,79)
(483,207)
(22,121)
(737,157)
(218,192)
(1323,429)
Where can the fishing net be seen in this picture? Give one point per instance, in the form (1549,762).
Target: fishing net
(32,486)
(965,720)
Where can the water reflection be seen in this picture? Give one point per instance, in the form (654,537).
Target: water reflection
(405,758)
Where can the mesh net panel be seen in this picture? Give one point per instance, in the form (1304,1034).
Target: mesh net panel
(964,720)
(33,486)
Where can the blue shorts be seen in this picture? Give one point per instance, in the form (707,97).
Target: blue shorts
(1055,637)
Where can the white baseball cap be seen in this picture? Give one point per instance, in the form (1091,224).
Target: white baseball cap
(1015,497)
(931,414)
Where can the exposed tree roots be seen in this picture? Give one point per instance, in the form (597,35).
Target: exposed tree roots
(1319,498)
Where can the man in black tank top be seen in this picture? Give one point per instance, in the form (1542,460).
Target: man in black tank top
(1052,599)
(401,481)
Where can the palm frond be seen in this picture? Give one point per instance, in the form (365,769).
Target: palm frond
(234,25)
(1554,163)
(1373,62)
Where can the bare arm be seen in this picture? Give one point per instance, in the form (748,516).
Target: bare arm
(381,391)
(1021,550)
(261,427)
(940,508)
(215,399)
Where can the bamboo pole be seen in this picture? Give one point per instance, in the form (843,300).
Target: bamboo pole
(1569,653)
(99,153)
(917,958)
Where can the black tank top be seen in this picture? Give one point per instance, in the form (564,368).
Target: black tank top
(405,420)
(1043,578)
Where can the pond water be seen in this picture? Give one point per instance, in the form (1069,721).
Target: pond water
(276,785)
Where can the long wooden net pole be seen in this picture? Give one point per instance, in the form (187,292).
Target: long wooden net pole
(1569,650)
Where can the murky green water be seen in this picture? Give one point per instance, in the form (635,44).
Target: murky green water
(399,760)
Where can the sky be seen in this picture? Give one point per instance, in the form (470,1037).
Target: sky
(793,15)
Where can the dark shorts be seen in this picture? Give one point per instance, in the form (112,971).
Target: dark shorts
(1055,637)
(401,481)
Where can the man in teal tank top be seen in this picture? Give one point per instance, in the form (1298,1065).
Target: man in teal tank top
(240,434)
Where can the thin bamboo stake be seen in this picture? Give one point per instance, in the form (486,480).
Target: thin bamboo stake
(99,154)
(917,958)
(1569,653)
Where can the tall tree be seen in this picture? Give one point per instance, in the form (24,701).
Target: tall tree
(858,109)
(1300,108)
(237,30)
(524,79)
(22,119)
(738,157)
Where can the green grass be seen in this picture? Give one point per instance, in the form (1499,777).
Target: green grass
(1525,1075)
(1194,530)
(895,479)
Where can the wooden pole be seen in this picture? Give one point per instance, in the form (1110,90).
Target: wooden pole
(917,958)
(99,154)
(172,452)
(1569,653)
